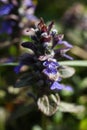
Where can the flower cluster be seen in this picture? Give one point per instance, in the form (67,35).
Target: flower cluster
(7,10)
(41,68)
(47,47)
(12,14)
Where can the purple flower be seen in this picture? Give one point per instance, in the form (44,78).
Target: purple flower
(65,43)
(47,47)
(17,69)
(56,85)
(5,9)
(68,88)
(45,73)
(49,71)
(31,17)
(29,7)
(28,3)
(67,56)
(4,1)
(60,46)
(7,27)
(51,63)
(52,74)
(61,52)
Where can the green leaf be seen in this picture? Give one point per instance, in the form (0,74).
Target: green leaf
(48,104)
(13,51)
(58,117)
(9,64)
(36,127)
(83,83)
(70,107)
(83,124)
(66,72)
(26,38)
(80,63)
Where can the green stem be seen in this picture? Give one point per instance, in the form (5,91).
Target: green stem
(8,64)
(44,122)
(80,63)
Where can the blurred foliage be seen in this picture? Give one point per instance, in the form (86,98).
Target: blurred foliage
(16,113)
(55,9)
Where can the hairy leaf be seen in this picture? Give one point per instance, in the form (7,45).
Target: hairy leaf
(48,104)
(66,72)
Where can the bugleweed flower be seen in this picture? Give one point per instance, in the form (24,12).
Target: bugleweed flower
(16,12)
(6,9)
(47,47)
(8,13)
(7,27)
(27,11)
(46,51)
(4,1)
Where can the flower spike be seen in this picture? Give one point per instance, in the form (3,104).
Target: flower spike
(48,47)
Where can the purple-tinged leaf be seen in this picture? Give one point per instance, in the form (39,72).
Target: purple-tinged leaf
(29,45)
